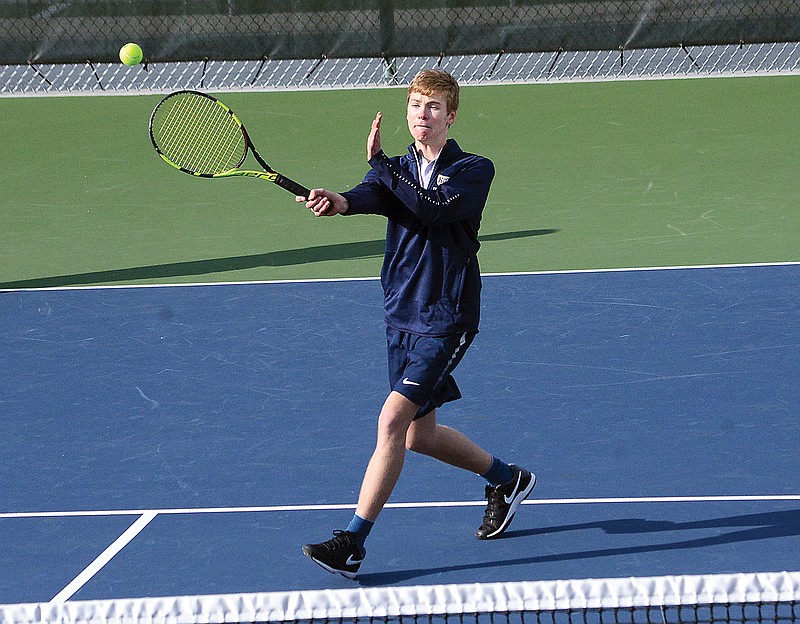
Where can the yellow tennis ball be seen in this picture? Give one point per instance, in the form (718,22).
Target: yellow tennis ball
(131,54)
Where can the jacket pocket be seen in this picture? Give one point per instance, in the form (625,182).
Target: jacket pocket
(454,279)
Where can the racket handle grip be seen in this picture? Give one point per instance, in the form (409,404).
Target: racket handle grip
(291,186)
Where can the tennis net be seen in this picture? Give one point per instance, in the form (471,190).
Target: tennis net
(760,597)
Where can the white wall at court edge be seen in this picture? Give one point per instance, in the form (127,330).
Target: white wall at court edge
(517,68)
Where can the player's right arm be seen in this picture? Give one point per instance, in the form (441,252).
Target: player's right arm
(324,203)
(369,197)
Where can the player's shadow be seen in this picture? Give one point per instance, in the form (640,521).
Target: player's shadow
(291,257)
(747,528)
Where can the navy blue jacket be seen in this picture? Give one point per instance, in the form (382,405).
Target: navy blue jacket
(430,276)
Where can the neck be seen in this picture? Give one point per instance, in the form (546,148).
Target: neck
(427,151)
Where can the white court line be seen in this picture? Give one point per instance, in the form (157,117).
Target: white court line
(93,568)
(151,513)
(375,278)
(147,516)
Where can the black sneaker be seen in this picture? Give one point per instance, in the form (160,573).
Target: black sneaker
(340,555)
(503,501)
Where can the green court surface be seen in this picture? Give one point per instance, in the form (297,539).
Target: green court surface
(589,175)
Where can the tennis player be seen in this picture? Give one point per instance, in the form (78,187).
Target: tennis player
(433,198)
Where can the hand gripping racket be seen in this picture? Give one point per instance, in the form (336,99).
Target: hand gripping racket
(199,135)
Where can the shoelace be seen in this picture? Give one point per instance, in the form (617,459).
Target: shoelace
(495,504)
(341,539)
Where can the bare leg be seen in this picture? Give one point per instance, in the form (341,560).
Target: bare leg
(387,460)
(452,447)
(397,431)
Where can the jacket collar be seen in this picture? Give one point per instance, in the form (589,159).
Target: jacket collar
(449,153)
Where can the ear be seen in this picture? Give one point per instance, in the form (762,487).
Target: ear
(451,118)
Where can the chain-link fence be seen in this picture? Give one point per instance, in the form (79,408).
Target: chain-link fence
(76,31)
(539,67)
(71,46)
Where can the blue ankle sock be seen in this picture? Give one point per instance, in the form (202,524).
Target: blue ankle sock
(360,529)
(499,473)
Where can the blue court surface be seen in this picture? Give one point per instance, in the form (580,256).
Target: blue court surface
(162,441)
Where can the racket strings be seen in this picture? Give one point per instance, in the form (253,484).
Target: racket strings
(213,142)
(210,142)
(199,135)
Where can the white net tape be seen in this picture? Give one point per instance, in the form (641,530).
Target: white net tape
(436,600)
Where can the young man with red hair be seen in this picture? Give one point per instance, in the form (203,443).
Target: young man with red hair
(433,198)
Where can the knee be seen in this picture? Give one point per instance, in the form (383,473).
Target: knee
(412,443)
(395,419)
(392,429)
(417,443)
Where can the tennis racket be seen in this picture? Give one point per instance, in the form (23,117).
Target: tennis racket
(199,135)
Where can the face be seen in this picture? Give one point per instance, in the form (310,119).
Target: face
(428,119)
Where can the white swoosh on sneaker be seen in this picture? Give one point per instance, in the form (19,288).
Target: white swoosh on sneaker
(510,499)
(352,561)
(408,382)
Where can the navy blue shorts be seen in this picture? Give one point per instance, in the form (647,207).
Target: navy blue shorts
(420,367)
